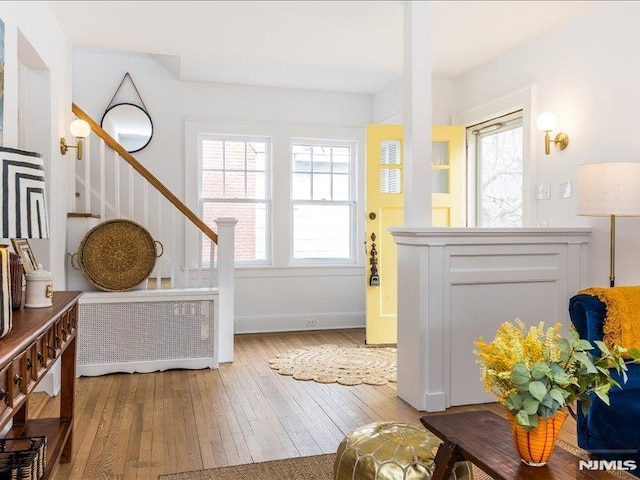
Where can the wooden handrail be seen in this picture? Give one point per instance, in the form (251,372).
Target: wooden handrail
(148,176)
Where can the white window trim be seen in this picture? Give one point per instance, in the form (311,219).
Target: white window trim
(521,100)
(280,206)
(268,192)
(352,202)
(473,205)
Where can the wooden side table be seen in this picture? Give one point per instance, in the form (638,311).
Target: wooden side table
(484,439)
(39,337)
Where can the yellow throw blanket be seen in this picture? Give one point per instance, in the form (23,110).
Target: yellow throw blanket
(622,324)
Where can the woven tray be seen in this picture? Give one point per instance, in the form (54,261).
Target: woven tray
(117,255)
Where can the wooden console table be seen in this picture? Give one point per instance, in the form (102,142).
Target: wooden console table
(484,439)
(39,337)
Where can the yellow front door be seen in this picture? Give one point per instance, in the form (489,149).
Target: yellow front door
(385,209)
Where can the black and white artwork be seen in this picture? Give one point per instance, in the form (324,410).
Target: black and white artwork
(22,195)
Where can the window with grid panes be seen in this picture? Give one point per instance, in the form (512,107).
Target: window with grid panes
(323,203)
(234,184)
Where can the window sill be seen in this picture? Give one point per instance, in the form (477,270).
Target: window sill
(299,271)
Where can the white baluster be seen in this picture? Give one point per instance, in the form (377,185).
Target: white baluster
(199,245)
(158,264)
(145,206)
(131,193)
(116,185)
(174,246)
(87,182)
(212,256)
(103,182)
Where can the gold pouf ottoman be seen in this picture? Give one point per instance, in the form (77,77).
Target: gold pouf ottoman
(391,451)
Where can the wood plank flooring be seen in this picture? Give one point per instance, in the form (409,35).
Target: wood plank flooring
(136,427)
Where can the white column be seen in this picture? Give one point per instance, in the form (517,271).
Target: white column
(417,113)
(413,284)
(226,288)
(413,263)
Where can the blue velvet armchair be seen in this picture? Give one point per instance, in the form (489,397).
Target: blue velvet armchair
(609,432)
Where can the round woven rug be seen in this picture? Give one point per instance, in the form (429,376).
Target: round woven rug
(345,365)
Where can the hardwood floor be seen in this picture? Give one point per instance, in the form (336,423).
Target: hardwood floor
(136,427)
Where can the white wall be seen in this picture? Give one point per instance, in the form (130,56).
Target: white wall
(38,26)
(588,73)
(279,298)
(96,75)
(388,102)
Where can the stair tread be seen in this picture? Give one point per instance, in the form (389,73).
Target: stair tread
(82,215)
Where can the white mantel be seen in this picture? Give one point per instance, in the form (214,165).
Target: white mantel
(456,284)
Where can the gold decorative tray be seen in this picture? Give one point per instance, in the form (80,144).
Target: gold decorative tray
(117,255)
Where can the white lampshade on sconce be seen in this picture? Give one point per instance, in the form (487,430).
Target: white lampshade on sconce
(548,122)
(79,129)
(609,190)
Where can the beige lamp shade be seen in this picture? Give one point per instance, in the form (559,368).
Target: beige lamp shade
(606,189)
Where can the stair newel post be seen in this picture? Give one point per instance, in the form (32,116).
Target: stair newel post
(226,287)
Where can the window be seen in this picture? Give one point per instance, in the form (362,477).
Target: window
(234,184)
(498,164)
(293,189)
(323,203)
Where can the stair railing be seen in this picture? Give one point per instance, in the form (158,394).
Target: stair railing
(117,185)
(194,255)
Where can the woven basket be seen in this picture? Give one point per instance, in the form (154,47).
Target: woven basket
(23,458)
(117,255)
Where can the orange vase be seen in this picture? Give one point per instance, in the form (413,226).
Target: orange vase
(535,446)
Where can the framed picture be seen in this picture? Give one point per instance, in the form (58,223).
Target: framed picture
(6,313)
(22,248)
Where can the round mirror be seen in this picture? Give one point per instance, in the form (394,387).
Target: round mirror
(129,125)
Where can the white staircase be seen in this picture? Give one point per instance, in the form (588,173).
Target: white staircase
(190,324)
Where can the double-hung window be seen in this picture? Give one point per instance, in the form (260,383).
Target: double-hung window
(234,183)
(323,201)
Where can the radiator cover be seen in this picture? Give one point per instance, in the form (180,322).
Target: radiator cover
(129,335)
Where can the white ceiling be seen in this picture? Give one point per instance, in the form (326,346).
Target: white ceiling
(348,46)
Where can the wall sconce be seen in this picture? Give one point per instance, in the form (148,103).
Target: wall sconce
(79,129)
(546,123)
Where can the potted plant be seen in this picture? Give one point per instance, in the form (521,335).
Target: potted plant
(538,376)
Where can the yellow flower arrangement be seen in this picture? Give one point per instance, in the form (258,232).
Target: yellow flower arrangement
(534,372)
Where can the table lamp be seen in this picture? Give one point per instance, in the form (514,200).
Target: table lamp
(609,190)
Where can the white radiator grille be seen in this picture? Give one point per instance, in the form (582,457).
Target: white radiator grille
(119,333)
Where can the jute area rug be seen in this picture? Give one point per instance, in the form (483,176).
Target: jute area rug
(346,365)
(319,467)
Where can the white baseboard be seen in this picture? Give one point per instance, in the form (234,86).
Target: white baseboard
(436,402)
(295,323)
(145,367)
(51,382)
